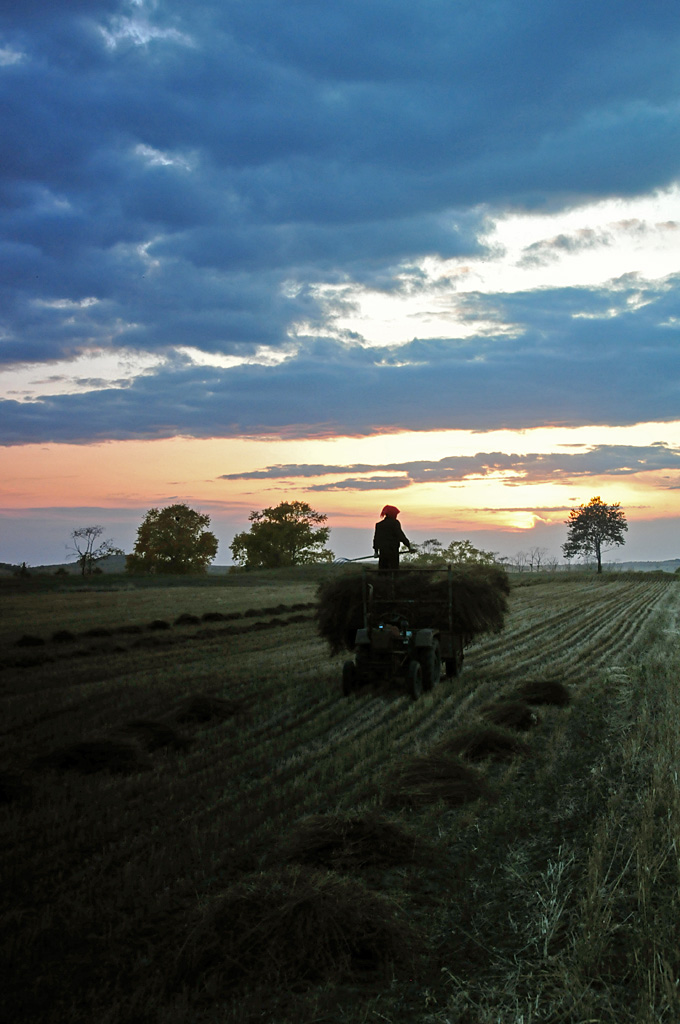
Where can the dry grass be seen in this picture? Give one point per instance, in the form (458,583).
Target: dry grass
(479,601)
(342,841)
(291,927)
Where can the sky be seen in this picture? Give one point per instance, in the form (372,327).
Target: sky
(352,254)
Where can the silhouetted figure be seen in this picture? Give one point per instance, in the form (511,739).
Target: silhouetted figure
(387,538)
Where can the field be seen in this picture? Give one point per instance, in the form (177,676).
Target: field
(258,848)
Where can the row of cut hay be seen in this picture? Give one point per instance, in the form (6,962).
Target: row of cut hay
(291,927)
(63,636)
(128,752)
(479,601)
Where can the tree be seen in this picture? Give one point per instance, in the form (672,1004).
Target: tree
(459,552)
(593,527)
(288,534)
(173,540)
(84,540)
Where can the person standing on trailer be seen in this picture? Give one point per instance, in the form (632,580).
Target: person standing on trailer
(387,538)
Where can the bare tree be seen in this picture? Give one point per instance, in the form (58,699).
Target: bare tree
(84,550)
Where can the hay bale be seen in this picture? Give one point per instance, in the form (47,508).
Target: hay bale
(13,787)
(542,691)
(350,841)
(30,640)
(99,755)
(479,741)
(63,636)
(153,735)
(436,776)
(479,600)
(187,619)
(511,714)
(292,927)
(202,708)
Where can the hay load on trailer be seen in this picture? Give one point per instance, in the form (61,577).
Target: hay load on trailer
(404,624)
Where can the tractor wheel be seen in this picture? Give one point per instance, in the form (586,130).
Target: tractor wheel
(415,680)
(454,665)
(349,678)
(431,665)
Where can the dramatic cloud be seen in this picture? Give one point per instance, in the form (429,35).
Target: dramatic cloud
(512,469)
(180,176)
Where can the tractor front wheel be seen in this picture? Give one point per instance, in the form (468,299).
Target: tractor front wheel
(431,665)
(415,680)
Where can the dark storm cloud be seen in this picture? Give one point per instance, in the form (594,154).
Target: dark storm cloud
(182,174)
(569,362)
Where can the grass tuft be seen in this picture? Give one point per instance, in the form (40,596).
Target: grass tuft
(98,755)
(479,741)
(157,624)
(292,927)
(350,841)
(213,617)
(511,714)
(542,691)
(436,776)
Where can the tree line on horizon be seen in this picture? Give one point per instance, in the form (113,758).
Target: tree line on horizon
(176,540)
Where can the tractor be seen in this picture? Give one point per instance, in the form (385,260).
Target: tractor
(400,644)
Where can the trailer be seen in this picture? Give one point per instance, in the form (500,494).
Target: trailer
(402,641)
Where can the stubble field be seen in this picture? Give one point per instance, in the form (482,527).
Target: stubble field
(198,827)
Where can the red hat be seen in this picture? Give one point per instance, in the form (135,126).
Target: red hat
(391,511)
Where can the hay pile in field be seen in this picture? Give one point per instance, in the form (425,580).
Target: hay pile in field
(153,734)
(511,714)
(292,927)
(203,708)
(436,776)
(479,741)
(542,691)
(96,755)
(350,841)
(479,602)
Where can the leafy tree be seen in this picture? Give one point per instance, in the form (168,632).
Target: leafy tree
(459,552)
(593,527)
(173,540)
(288,534)
(86,549)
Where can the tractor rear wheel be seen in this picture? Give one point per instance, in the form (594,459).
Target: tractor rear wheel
(415,680)
(454,665)
(431,665)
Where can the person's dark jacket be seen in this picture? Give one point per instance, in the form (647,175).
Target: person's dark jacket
(386,540)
